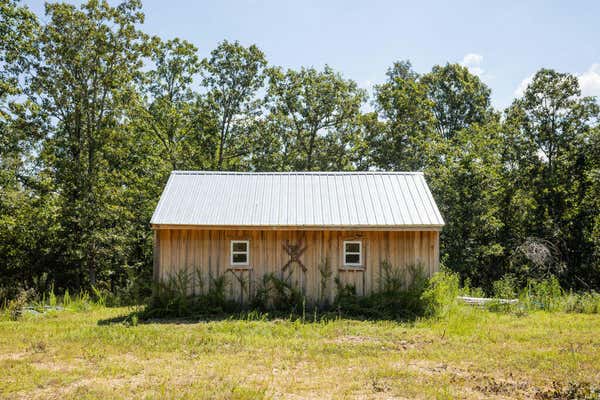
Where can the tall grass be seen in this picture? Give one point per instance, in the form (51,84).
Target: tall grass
(544,295)
(405,294)
(29,301)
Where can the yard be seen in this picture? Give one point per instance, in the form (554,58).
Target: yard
(471,354)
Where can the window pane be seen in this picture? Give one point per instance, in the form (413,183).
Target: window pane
(240,258)
(240,246)
(352,247)
(352,258)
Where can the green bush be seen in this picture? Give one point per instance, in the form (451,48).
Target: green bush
(587,303)
(505,288)
(399,298)
(440,296)
(14,308)
(545,294)
(172,299)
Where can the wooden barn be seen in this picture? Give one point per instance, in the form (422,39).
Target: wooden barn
(305,227)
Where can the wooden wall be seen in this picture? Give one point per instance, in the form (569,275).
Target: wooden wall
(207,251)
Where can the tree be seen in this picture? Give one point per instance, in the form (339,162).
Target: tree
(459,98)
(592,202)
(232,76)
(18,29)
(554,126)
(406,111)
(27,209)
(83,80)
(315,112)
(171,105)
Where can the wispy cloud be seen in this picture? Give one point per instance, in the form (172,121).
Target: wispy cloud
(589,81)
(473,63)
(520,90)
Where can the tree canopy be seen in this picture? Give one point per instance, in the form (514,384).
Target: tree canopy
(95,113)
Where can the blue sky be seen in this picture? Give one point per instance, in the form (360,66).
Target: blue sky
(504,42)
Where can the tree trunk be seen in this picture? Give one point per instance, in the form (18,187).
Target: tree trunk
(309,156)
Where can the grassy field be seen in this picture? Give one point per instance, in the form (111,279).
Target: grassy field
(472,354)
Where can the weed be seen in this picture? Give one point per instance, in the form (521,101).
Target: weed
(440,296)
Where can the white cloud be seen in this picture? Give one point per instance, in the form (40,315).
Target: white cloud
(520,90)
(589,81)
(472,59)
(473,62)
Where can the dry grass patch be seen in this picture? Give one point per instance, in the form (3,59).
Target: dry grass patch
(472,354)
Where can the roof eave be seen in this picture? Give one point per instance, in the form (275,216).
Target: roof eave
(437,228)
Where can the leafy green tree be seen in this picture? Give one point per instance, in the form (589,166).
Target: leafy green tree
(459,98)
(408,122)
(171,110)
(83,80)
(592,201)
(467,184)
(554,126)
(27,212)
(232,75)
(315,113)
(18,29)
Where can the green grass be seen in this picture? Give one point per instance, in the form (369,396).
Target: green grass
(469,354)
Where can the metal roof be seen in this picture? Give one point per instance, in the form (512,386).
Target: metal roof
(298,199)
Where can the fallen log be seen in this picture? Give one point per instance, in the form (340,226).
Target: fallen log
(481,301)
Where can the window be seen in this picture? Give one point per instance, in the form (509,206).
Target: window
(353,253)
(240,252)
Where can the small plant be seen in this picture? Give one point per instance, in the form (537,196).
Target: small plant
(399,298)
(468,290)
(66,299)
(100,296)
(261,301)
(15,307)
(505,288)
(216,291)
(285,295)
(543,294)
(81,302)
(52,300)
(588,303)
(392,279)
(326,273)
(172,298)
(440,297)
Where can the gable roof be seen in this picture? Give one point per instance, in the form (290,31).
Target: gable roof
(398,200)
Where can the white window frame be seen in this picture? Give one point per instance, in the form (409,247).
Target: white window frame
(360,253)
(247,253)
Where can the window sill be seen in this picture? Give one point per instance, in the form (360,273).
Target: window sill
(239,267)
(352,268)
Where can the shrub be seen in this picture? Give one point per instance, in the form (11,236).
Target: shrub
(286,296)
(545,294)
(172,298)
(467,290)
(588,303)
(440,296)
(14,308)
(399,298)
(505,288)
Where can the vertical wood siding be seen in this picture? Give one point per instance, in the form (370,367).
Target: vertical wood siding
(205,254)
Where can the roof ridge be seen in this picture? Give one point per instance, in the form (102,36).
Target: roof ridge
(177,172)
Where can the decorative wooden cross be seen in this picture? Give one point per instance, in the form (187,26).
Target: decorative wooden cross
(294,251)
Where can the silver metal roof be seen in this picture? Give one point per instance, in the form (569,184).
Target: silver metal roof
(298,199)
